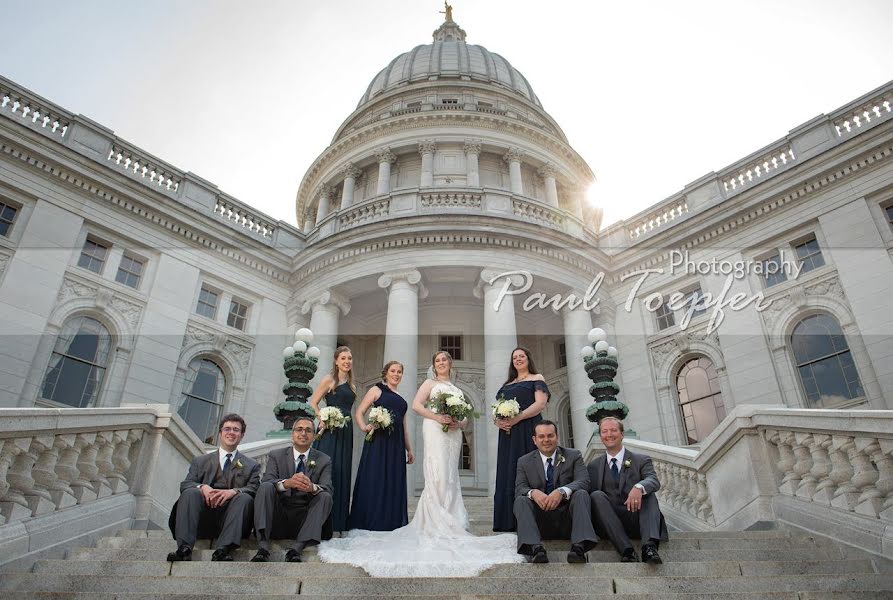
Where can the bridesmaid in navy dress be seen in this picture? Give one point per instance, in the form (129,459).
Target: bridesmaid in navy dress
(525,385)
(379,494)
(339,391)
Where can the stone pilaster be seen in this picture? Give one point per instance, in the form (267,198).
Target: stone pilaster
(426,149)
(385,158)
(472,172)
(513,158)
(351,173)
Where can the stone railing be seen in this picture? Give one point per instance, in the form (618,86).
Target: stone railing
(852,121)
(767,165)
(363,213)
(538,213)
(826,471)
(666,212)
(243,216)
(437,201)
(32,110)
(150,170)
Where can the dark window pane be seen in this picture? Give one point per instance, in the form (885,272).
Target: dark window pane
(92,256)
(773,263)
(77,364)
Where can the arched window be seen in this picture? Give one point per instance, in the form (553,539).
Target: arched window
(78,363)
(203,394)
(824,362)
(700,398)
(567,427)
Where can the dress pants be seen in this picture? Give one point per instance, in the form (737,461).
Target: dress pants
(283,515)
(572,519)
(228,523)
(618,524)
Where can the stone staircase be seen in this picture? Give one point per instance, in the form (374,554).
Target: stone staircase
(774,564)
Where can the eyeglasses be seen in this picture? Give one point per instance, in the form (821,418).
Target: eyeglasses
(303,429)
(231,430)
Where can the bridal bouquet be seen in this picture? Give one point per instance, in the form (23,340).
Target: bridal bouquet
(451,402)
(506,408)
(332,418)
(379,418)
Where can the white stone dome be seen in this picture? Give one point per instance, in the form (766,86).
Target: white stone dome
(449,57)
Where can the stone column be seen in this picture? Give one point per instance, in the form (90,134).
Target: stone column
(500,338)
(401,343)
(385,158)
(513,158)
(350,180)
(472,173)
(577,324)
(426,149)
(325,310)
(547,172)
(322,209)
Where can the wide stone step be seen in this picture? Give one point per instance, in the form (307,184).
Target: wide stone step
(595,556)
(123,568)
(787,583)
(806,595)
(52,582)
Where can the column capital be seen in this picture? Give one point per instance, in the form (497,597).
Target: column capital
(490,277)
(513,155)
(349,170)
(325,190)
(472,146)
(547,170)
(384,155)
(412,277)
(427,146)
(327,299)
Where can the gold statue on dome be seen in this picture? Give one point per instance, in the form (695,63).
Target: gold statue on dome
(448,11)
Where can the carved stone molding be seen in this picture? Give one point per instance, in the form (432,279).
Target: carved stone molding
(800,297)
(472,146)
(350,171)
(410,276)
(325,191)
(4,260)
(236,350)
(488,275)
(327,298)
(680,343)
(427,147)
(103,298)
(385,155)
(513,155)
(547,170)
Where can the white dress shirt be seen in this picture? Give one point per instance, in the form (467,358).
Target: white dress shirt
(619,456)
(565,491)
(221,455)
(297,455)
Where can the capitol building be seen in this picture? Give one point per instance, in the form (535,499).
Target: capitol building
(448,212)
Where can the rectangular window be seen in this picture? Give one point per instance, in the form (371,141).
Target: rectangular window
(449,101)
(809,254)
(889,212)
(7,216)
(695,298)
(93,256)
(665,316)
(238,314)
(453,345)
(561,355)
(207,303)
(773,274)
(130,271)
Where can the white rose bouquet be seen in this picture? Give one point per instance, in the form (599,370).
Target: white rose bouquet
(379,418)
(332,418)
(506,408)
(450,401)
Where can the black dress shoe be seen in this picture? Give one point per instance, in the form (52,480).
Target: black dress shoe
(629,555)
(650,555)
(293,556)
(263,555)
(222,554)
(538,555)
(184,552)
(577,554)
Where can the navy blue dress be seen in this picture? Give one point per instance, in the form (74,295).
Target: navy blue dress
(511,448)
(338,444)
(379,494)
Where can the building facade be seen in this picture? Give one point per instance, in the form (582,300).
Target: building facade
(448,212)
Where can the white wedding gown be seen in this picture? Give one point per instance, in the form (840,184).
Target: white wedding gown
(435,543)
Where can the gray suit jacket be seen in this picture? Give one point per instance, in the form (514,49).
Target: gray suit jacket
(281,465)
(640,470)
(569,472)
(204,470)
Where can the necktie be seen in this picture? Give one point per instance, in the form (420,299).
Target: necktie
(299,468)
(227,462)
(550,476)
(615,472)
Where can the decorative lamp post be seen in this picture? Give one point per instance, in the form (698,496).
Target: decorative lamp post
(600,362)
(300,363)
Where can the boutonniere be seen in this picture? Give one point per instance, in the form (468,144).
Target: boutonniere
(627,463)
(560,458)
(311,464)
(238,464)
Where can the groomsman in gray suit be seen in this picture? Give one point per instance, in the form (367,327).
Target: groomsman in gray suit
(552,498)
(217,496)
(624,504)
(295,498)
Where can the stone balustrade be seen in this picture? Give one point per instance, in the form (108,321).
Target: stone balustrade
(751,173)
(537,212)
(869,113)
(658,217)
(143,166)
(241,215)
(29,109)
(829,471)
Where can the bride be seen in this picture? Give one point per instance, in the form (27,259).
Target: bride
(436,542)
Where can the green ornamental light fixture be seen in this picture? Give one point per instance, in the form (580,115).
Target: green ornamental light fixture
(300,362)
(600,362)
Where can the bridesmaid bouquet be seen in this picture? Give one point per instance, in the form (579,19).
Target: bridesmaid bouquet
(332,418)
(379,418)
(506,408)
(451,402)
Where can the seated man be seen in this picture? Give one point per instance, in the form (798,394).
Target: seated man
(217,496)
(623,486)
(295,498)
(552,501)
